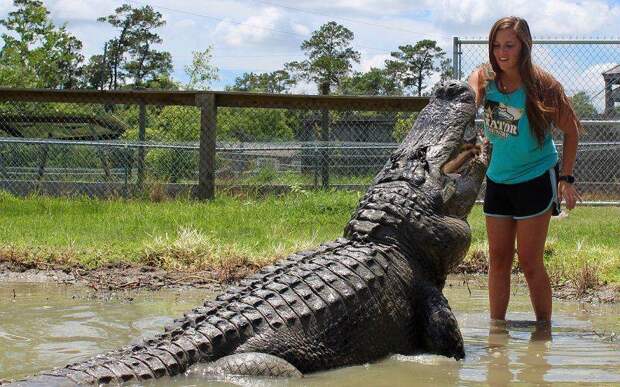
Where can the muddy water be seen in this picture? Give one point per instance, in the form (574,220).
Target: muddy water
(43,325)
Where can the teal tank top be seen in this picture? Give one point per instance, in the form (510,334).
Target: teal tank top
(517,155)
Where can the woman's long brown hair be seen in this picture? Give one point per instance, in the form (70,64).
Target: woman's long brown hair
(545,102)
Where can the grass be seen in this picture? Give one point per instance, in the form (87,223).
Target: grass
(582,250)
(93,232)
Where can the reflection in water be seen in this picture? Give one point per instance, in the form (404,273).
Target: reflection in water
(535,365)
(46,326)
(532,360)
(498,369)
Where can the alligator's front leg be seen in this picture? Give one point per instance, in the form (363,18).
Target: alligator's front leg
(440,332)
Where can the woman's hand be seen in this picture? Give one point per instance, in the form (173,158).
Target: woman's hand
(485,75)
(568,192)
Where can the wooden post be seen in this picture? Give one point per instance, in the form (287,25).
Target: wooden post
(324,139)
(208,125)
(141,139)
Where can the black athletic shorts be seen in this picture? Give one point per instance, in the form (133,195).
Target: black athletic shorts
(523,200)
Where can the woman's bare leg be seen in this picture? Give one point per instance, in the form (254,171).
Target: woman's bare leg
(501,236)
(531,237)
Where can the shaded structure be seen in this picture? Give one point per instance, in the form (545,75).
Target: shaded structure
(612,90)
(66,127)
(62,126)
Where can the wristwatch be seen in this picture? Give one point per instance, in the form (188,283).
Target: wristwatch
(570,179)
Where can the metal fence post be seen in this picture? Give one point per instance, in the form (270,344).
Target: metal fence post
(206,163)
(3,163)
(456,58)
(43,160)
(455,44)
(325,140)
(141,139)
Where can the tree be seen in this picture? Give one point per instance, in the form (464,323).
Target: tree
(95,74)
(582,104)
(201,72)
(330,56)
(116,47)
(446,70)
(374,82)
(412,65)
(276,82)
(36,53)
(131,54)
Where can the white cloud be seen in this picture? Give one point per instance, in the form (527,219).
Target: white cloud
(254,29)
(470,12)
(348,7)
(560,17)
(377,61)
(79,9)
(5,5)
(185,24)
(551,17)
(304,87)
(301,29)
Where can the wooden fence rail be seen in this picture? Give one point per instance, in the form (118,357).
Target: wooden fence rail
(208,102)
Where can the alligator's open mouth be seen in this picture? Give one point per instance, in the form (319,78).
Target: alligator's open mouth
(464,152)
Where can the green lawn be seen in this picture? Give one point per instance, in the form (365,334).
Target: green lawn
(196,235)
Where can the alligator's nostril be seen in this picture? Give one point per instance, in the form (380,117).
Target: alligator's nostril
(450,89)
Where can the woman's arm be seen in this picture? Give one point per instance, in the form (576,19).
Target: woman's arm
(566,120)
(478,80)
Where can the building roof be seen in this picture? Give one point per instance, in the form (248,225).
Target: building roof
(613,70)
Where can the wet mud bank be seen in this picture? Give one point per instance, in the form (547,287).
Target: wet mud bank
(124,277)
(113,277)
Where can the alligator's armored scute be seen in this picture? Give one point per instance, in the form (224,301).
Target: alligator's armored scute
(374,292)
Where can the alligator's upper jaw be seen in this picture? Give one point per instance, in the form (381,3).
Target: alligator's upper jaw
(459,180)
(439,131)
(448,124)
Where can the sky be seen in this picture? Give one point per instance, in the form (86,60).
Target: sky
(260,36)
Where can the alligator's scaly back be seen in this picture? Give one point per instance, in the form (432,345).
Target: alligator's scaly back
(375,292)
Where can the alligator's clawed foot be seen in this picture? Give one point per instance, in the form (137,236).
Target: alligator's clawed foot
(44,381)
(251,364)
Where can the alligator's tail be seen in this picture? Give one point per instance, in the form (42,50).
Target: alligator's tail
(205,334)
(200,336)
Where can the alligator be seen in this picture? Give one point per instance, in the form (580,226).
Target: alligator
(374,292)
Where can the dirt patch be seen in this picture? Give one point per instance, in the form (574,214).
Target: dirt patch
(120,276)
(600,294)
(604,293)
(583,285)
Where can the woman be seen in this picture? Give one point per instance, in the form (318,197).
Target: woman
(522,103)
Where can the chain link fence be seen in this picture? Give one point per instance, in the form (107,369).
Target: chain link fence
(589,70)
(158,144)
(131,144)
